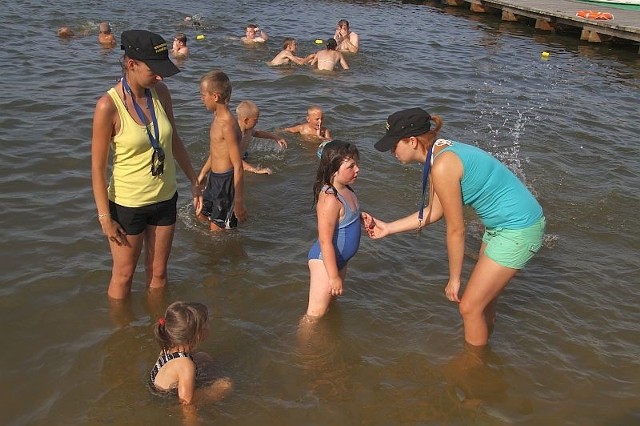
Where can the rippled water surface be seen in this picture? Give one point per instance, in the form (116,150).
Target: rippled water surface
(566,346)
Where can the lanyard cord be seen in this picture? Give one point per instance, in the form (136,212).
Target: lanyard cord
(154,141)
(425,179)
(425,176)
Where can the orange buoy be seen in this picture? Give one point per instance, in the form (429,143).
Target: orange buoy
(594,14)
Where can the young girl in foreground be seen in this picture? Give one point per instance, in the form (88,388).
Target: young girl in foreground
(338,225)
(179,333)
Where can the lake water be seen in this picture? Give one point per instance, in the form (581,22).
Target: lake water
(567,341)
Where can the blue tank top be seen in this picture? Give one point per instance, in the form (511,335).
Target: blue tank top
(499,198)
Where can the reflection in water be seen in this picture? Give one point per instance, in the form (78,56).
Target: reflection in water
(322,355)
(477,376)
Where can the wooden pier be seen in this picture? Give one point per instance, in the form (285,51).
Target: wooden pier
(560,15)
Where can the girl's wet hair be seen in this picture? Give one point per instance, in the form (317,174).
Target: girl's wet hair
(333,155)
(332,44)
(182,325)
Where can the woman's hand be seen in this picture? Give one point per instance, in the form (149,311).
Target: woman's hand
(196,193)
(375,228)
(113,231)
(452,289)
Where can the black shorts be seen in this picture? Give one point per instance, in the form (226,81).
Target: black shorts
(134,220)
(217,199)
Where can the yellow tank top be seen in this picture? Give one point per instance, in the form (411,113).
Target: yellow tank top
(132,184)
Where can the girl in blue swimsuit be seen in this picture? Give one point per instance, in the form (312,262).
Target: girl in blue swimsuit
(178,369)
(338,224)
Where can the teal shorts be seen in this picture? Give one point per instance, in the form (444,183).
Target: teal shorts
(513,248)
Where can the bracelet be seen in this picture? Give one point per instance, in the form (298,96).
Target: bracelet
(103,215)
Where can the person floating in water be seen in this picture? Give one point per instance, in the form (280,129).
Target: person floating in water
(347,40)
(287,54)
(313,126)
(253,34)
(327,59)
(105,36)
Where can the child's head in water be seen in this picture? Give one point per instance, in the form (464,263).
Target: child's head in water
(334,154)
(184,326)
(248,114)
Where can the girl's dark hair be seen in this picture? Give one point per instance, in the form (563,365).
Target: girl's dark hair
(333,155)
(332,44)
(182,325)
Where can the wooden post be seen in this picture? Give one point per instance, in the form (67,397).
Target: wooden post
(584,35)
(477,8)
(509,16)
(543,25)
(594,37)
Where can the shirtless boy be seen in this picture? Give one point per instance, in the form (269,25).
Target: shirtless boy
(287,55)
(253,34)
(313,126)
(105,36)
(326,60)
(222,173)
(347,40)
(248,114)
(180,49)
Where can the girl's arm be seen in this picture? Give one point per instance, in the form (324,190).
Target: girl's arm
(328,211)
(179,151)
(186,380)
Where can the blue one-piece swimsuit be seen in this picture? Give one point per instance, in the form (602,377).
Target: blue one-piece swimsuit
(346,238)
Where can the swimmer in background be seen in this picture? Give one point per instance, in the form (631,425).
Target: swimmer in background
(313,126)
(253,34)
(194,21)
(248,114)
(327,59)
(180,49)
(105,36)
(347,40)
(65,32)
(287,54)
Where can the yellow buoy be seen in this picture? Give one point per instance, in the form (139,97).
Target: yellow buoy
(319,41)
(545,54)
(200,37)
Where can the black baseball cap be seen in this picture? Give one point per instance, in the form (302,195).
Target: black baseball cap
(403,124)
(149,48)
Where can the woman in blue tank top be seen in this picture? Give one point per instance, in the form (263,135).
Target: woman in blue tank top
(462,175)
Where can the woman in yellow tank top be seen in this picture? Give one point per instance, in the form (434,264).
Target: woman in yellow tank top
(135,120)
